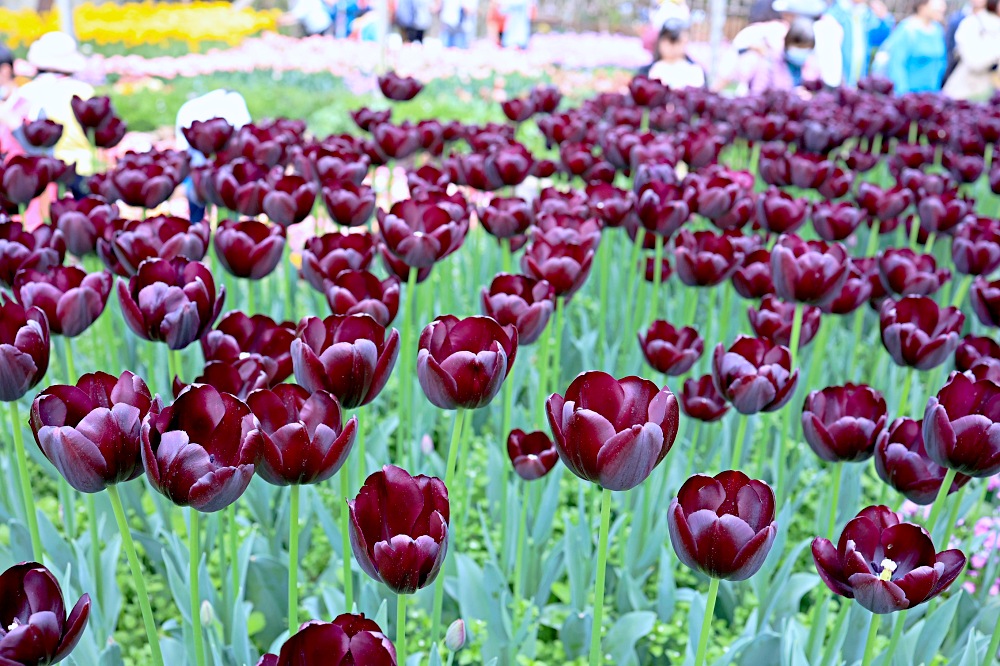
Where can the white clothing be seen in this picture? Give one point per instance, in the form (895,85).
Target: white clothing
(225,104)
(829,36)
(678,74)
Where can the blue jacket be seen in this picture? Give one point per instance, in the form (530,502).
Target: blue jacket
(916,57)
(873,32)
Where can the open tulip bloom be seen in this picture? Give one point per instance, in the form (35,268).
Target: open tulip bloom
(347,641)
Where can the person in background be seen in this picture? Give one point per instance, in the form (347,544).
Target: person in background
(761,68)
(517,16)
(312,16)
(414,18)
(866,24)
(951,27)
(977,55)
(672,65)
(762,11)
(914,56)
(225,104)
(494,22)
(6,72)
(827,31)
(457,16)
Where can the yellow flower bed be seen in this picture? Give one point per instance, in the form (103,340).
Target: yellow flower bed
(141,23)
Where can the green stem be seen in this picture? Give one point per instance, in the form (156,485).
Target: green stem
(137,575)
(173,366)
(873,236)
(22,469)
(95,540)
(522,527)
(870,641)
(345,538)
(929,245)
(602,566)
(727,307)
(68,356)
(404,367)
(543,374)
(790,421)
(691,296)
(859,318)
(506,256)
(940,500)
(831,525)
(657,278)
(904,398)
(952,518)
(692,448)
(290,282)
(401,628)
(508,405)
(963,289)
(449,478)
(293,558)
(554,374)
(741,434)
(602,319)
(914,232)
(817,350)
(793,345)
(234,552)
(845,608)
(194,551)
(251,293)
(706,623)
(991,651)
(897,632)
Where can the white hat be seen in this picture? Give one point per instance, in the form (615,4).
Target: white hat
(56,52)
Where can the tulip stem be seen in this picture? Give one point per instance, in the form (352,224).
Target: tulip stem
(522,527)
(904,398)
(991,651)
(234,551)
(506,256)
(554,376)
(639,278)
(194,553)
(914,232)
(657,277)
(727,306)
(22,469)
(897,632)
(859,319)
(293,557)
(963,289)
(68,361)
(449,477)
(940,500)
(345,537)
(404,366)
(831,524)
(602,569)
(602,324)
(95,541)
(741,434)
(508,406)
(870,641)
(929,245)
(952,518)
(789,430)
(251,297)
(543,373)
(137,575)
(692,296)
(401,628)
(173,368)
(706,622)
(873,236)
(793,345)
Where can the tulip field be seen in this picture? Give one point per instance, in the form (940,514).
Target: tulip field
(645,377)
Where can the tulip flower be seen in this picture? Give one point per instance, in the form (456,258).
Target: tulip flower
(856,291)
(40,249)
(399,268)
(907,273)
(248,248)
(565,266)
(82,222)
(613,432)
(354,292)
(506,217)
(940,213)
(545,98)
(24,348)
(755,375)
(208,136)
(24,177)
(238,377)
(349,639)
(162,237)
(836,221)
(774,319)
(198,452)
(393,142)
(347,203)
(705,259)
(462,363)
(517,110)
(701,400)
(237,335)
(399,88)
(662,208)
(71,299)
(918,333)
(348,356)
(753,279)
(520,301)
(901,461)
(807,271)
(242,186)
(610,204)
(672,351)
(533,455)
(324,257)
(723,526)
(841,423)
(90,431)
(885,564)
(421,233)
(399,528)
(290,199)
(302,436)
(93,112)
(974,349)
(171,301)
(985,299)
(110,134)
(961,426)
(883,204)
(975,246)
(42,133)
(145,186)
(780,212)
(35,629)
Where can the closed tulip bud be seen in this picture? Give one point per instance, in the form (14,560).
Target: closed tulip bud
(110,134)
(249,249)
(399,528)
(901,461)
(25,177)
(517,110)
(71,299)
(92,112)
(755,375)
(532,454)
(355,292)
(208,136)
(454,638)
(565,266)
(975,246)
(365,118)
(840,423)
(672,351)
(160,237)
(705,259)
(909,274)
(940,213)
(82,222)
(24,349)
(985,299)
(393,142)
(613,432)
(324,257)
(42,133)
(36,629)
(399,88)
(348,356)
(918,333)
(349,639)
(238,377)
(962,426)
(773,320)
(545,98)
(753,279)
(170,301)
(836,221)
(885,564)
(662,208)
(506,217)
(348,204)
(237,335)
(290,199)
(724,526)
(521,302)
(145,186)
(780,212)
(973,349)
(701,400)
(882,204)
(198,451)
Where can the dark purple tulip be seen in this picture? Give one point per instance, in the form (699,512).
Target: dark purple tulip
(24,177)
(35,630)
(717,194)
(610,204)
(522,302)
(42,133)
(393,142)
(755,375)
(171,301)
(242,186)
(324,257)
(238,377)
(648,268)
(71,299)
(940,213)
(723,526)
(973,349)
(145,186)
(662,208)
(399,528)
(646,91)
(962,426)
(705,259)
(907,273)
(918,333)
(198,452)
(517,110)
(349,639)
(399,88)
(701,400)
(885,564)
(857,290)
(532,454)
(964,168)
(91,113)
(545,98)
(975,246)
(780,212)
(354,292)
(24,349)
(558,229)
(238,335)
(985,299)
(773,320)
(506,217)
(303,439)
(840,423)
(901,461)
(613,432)
(838,183)
(290,199)
(836,221)
(882,204)
(510,165)
(160,237)
(366,118)
(348,204)
(808,271)
(90,431)
(208,136)
(110,134)
(462,363)
(348,356)
(248,248)
(753,279)
(82,222)
(565,266)
(423,232)
(670,350)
